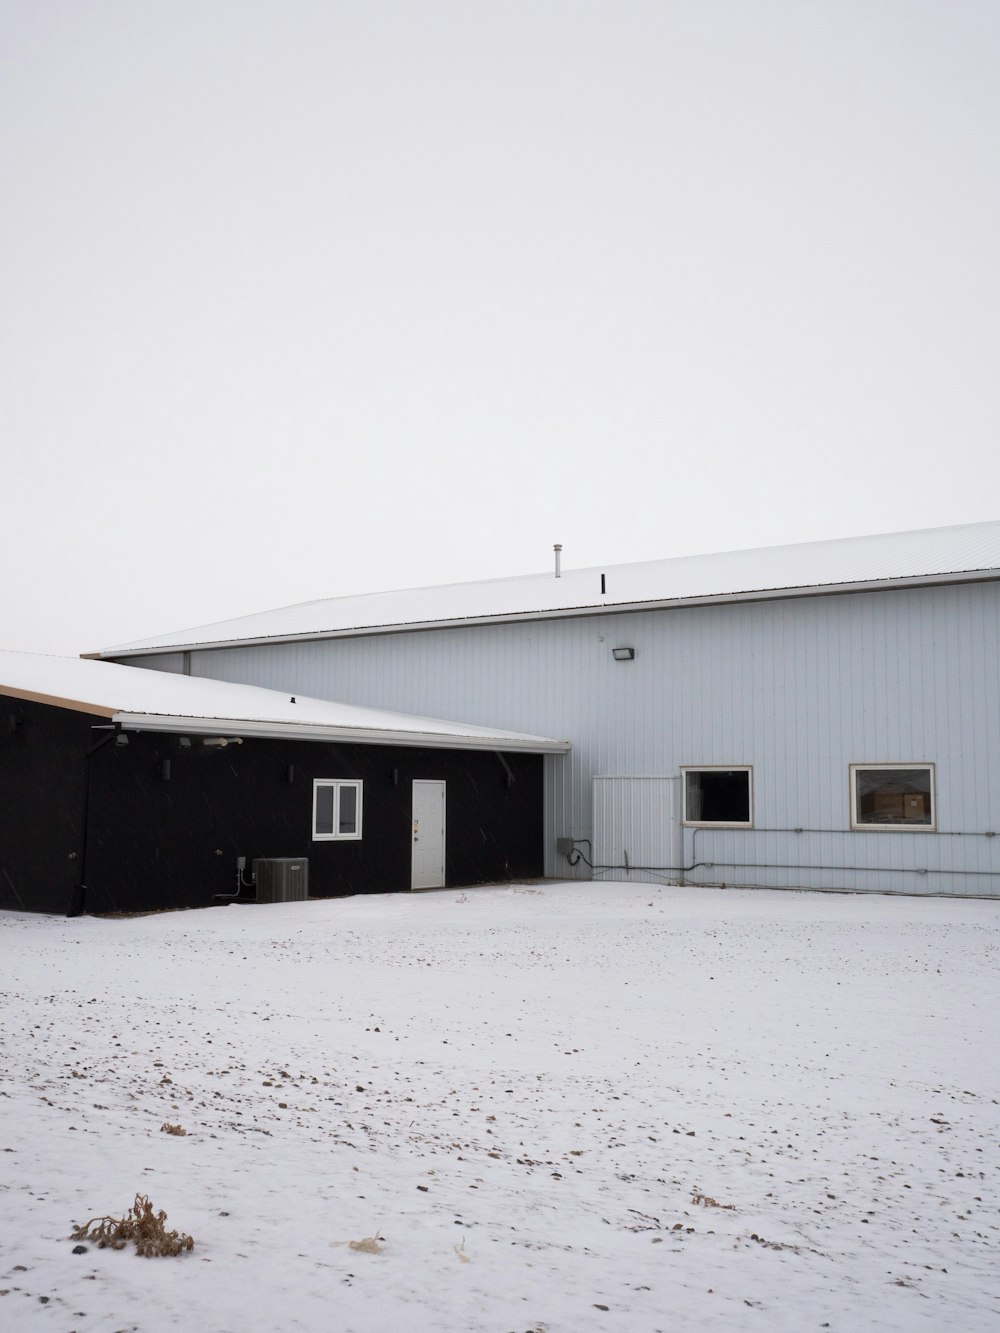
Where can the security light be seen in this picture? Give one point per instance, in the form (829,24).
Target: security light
(623,654)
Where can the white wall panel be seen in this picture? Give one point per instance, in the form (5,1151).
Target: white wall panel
(636,829)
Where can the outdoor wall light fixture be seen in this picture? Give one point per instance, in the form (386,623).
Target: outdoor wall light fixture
(121,739)
(623,654)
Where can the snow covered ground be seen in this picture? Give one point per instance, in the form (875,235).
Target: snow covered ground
(557,1107)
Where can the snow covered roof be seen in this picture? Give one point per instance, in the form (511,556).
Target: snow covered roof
(142,700)
(898,559)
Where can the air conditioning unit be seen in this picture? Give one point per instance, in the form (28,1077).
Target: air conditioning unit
(282,879)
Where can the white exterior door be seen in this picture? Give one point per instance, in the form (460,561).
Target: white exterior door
(428,835)
(637,824)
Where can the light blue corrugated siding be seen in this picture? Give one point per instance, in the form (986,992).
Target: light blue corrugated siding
(169,662)
(799,689)
(636,828)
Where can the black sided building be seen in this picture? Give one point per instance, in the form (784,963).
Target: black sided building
(125,790)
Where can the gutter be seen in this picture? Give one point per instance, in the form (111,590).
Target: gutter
(304,731)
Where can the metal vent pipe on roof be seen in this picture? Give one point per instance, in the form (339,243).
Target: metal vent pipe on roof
(558,550)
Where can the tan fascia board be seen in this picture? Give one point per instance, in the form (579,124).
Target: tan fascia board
(560,613)
(221,726)
(73,705)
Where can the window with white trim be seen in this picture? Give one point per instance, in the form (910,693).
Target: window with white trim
(719,796)
(892,796)
(336,809)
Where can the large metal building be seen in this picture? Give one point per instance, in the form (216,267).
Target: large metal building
(825,715)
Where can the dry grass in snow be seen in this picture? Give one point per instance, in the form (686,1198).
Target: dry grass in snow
(608,1106)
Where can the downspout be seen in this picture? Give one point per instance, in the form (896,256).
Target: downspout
(508,782)
(78,898)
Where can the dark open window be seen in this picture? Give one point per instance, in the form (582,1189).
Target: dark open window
(721,796)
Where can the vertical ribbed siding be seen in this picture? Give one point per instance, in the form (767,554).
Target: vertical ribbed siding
(799,689)
(636,828)
(170,662)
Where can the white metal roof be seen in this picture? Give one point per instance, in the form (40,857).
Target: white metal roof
(898,559)
(142,700)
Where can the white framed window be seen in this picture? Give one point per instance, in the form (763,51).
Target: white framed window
(893,797)
(336,809)
(718,795)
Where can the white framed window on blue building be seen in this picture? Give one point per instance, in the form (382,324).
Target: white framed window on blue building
(892,797)
(336,809)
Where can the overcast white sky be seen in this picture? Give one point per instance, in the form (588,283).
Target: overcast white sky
(307,298)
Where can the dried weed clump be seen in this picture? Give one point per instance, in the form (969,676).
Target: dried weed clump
(370,1244)
(167,1128)
(707,1201)
(141,1225)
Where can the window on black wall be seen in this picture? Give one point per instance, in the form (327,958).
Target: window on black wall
(336,810)
(718,796)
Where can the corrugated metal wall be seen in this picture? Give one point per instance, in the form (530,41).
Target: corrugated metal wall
(175,663)
(799,688)
(636,828)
